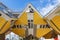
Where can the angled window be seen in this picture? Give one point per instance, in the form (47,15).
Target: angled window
(17,26)
(20,26)
(14,26)
(40,26)
(43,26)
(48,26)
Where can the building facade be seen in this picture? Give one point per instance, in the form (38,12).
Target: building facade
(29,24)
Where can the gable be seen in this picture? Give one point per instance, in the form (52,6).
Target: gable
(37,18)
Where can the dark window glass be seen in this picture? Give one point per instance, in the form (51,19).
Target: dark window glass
(17,26)
(47,26)
(20,26)
(31,20)
(40,26)
(43,26)
(29,25)
(31,10)
(14,26)
(29,6)
(28,20)
(0,14)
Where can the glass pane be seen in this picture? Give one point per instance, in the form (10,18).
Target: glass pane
(31,20)
(17,26)
(43,26)
(31,10)
(47,26)
(20,26)
(40,26)
(28,20)
(14,26)
(29,25)
(0,14)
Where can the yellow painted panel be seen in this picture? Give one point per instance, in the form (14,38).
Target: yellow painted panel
(53,26)
(19,31)
(38,19)
(42,31)
(2,21)
(56,21)
(22,20)
(6,27)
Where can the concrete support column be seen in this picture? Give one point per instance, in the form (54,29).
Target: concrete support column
(2,36)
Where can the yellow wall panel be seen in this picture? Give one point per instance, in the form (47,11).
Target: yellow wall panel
(53,26)
(22,19)
(5,27)
(56,21)
(38,19)
(19,31)
(42,31)
(2,21)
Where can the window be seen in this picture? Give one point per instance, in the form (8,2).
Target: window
(17,26)
(31,20)
(28,20)
(47,26)
(29,6)
(43,26)
(30,23)
(31,10)
(14,26)
(20,26)
(40,26)
(0,14)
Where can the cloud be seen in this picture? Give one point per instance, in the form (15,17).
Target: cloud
(58,1)
(48,7)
